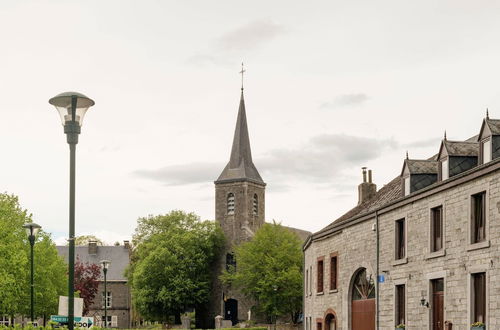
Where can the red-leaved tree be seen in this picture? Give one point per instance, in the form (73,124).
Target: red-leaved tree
(86,282)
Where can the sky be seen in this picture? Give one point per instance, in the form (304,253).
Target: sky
(330,87)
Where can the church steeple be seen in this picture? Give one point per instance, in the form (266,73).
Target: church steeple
(240,166)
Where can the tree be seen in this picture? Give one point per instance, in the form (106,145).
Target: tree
(86,282)
(269,271)
(85,239)
(170,267)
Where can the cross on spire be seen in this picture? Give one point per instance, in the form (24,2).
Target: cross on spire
(242,72)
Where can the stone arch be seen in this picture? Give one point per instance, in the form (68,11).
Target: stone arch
(361,295)
(330,320)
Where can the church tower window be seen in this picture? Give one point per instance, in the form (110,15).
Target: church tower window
(230,204)
(255,204)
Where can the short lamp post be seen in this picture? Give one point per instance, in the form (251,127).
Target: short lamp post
(72,108)
(105,266)
(32,229)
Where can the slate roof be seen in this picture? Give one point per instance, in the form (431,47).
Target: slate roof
(461,148)
(240,166)
(418,166)
(118,255)
(494,126)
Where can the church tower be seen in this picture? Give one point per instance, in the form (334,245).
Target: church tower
(239,210)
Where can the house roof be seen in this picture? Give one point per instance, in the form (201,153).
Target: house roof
(460,148)
(240,166)
(494,126)
(421,166)
(118,255)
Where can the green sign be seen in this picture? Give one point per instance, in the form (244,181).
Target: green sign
(79,322)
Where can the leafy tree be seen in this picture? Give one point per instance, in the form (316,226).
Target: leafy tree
(170,268)
(86,282)
(85,239)
(269,271)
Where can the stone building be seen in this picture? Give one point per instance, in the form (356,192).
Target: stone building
(240,211)
(118,297)
(422,251)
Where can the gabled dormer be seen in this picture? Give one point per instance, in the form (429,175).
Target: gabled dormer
(456,157)
(417,174)
(489,140)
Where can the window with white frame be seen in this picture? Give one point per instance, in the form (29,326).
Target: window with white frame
(5,321)
(108,300)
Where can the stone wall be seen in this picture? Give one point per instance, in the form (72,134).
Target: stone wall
(120,305)
(356,247)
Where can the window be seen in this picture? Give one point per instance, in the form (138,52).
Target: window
(319,325)
(230,204)
(436,229)
(103,321)
(486,151)
(320,275)
(478,221)
(445,174)
(255,204)
(5,321)
(333,272)
(108,300)
(407,185)
(478,297)
(310,279)
(230,262)
(400,303)
(400,239)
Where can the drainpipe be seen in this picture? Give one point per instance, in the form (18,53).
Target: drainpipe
(377,271)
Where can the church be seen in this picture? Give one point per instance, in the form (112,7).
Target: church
(240,211)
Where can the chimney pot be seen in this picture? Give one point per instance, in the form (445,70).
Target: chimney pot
(366,190)
(369,176)
(364,174)
(92,247)
(126,244)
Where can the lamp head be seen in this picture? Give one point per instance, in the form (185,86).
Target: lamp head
(31,229)
(105,264)
(71,106)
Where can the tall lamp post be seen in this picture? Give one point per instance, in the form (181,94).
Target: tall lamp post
(72,108)
(105,266)
(32,229)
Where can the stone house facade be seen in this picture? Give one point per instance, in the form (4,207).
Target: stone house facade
(118,298)
(423,251)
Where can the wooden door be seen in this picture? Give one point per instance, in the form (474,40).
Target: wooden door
(437,308)
(363,314)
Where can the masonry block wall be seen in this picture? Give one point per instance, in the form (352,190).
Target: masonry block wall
(120,306)
(356,247)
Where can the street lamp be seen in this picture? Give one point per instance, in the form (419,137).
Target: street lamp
(105,266)
(32,229)
(72,108)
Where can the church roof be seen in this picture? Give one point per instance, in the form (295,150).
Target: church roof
(240,166)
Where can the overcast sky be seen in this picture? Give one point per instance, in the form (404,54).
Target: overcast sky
(330,86)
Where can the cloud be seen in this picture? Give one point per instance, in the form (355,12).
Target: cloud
(346,100)
(432,142)
(319,160)
(250,36)
(175,175)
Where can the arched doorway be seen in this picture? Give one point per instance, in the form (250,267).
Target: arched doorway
(330,320)
(363,301)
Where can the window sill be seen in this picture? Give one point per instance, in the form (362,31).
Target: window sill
(333,291)
(401,261)
(477,246)
(320,293)
(436,254)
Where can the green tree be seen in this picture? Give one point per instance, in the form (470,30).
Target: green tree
(85,239)
(170,268)
(269,271)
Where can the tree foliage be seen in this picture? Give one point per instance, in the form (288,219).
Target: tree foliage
(269,271)
(49,267)
(85,239)
(170,268)
(86,282)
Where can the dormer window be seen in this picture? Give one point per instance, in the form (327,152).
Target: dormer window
(486,150)
(407,185)
(230,204)
(255,204)
(445,169)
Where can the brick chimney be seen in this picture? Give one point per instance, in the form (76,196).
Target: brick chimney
(367,189)
(126,244)
(92,247)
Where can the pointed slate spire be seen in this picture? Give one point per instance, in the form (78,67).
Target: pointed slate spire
(487,114)
(240,166)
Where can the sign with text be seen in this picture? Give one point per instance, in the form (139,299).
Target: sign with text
(79,322)
(63,306)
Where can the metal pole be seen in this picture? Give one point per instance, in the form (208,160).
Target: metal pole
(377,285)
(105,300)
(71,261)
(32,242)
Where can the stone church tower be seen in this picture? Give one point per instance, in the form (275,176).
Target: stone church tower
(239,209)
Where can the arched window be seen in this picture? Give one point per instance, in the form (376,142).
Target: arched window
(230,203)
(255,204)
